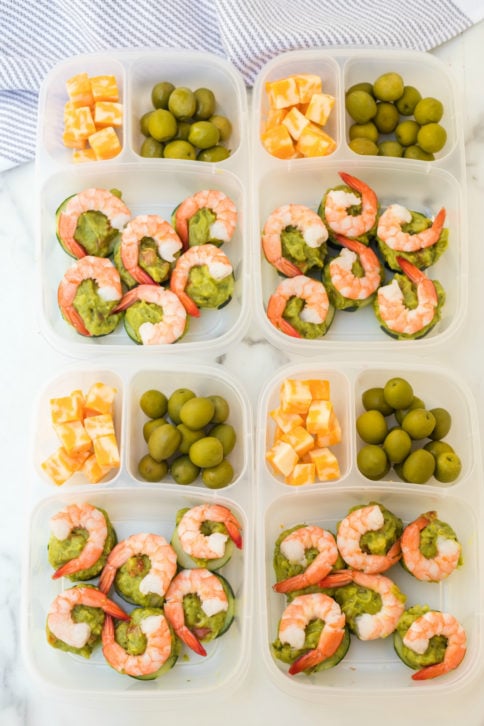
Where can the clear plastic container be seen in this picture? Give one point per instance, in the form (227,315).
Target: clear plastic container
(371,666)
(422,186)
(148,186)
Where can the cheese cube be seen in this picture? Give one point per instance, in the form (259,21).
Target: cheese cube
(81,155)
(104,88)
(79,90)
(300,440)
(101,425)
(315,142)
(333,436)
(275,117)
(283,92)
(295,122)
(320,389)
(93,471)
(99,399)
(302,474)
(278,142)
(67,408)
(59,466)
(318,418)
(319,108)
(73,436)
(106,451)
(105,143)
(282,458)
(286,420)
(295,396)
(326,463)
(307,85)
(108,113)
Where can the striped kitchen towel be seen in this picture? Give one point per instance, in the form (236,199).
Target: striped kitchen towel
(36,35)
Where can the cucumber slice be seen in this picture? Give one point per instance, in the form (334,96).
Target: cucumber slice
(187,562)
(230,615)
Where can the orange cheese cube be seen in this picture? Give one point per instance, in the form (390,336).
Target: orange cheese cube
(320,389)
(295,396)
(100,425)
(275,117)
(307,85)
(59,466)
(105,143)
(67,408)
(72,141)
(300,440)
(333,435)
(79,90)
(99,399)
(326,463)
(108,113)
(315,142)
(283,92)
(73,436)
(278,432)
(319,413)
(282,458)
(104,88)
(106,451)
(302,474)
(286,420)
(278,142)
(319,108)
(295,122)
(81,155)
(93,472)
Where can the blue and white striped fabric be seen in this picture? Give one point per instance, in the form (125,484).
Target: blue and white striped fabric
(34,36)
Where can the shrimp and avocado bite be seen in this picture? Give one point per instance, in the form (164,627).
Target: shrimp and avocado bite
(153,315)
(203,277)
(209,216)
(352,277)
(88,223)
(368,538)
(404,233)
(429,641)
(430,548)
(300,307)
(148,249)
(82,537)
(350,209)
(144,647)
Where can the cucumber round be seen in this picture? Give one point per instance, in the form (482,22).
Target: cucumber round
(187,562)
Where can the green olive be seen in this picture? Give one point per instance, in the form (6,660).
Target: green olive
(362,86)
(143,123)
(162,125)
(432,137)
(363,146)
(438,447)
(418,423)
(223,124)
(151,425)
(386,117)
(160,94)
(364,131)
(225,433)
(151,149)
(373,398)
(448,466)
(183,470)
(189,436)
(390,148)
(164,441)
(197,412)
(372,461)
(428,110)
(372,427)
(397,445)
(408,100)
(398,392)
(219,476)
(221,409)
(361,106)
(179,149)
(400,413)
(205,103)
(176,401)
(183,130)
(388,87)
(406,132)
(182,103)
(153,403)
(415,152)
(418,467)
(152,470)
(206,452)
(443,422)
(214,154)
(203,134)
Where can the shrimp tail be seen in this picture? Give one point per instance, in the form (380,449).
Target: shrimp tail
(107,578)
(395,551)
(74,319)
(74,248)
(337,578)
(234,534)
(190,640)
(413,273)
(142,277)
(188,304)
(351,244)
(112,609)
(287,268)
(68,569)
(432,671)
(297,582)
(127,300)
(318,655)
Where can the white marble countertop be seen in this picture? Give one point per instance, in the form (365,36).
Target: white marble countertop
(28,360)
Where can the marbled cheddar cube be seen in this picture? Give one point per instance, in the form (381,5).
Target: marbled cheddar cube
(318,418)
(286,420)
(278,142)
(282,458)
(283,92)
(295,122)
(320,389)
(99,399)
(108,113)
(82,123)
(106,451)
(72,141)
(59,466)
(104,88)
(295,396)
(326,463)
(315,142)
(100,425)
(81,155)
(333,436)
(67,408)
(93,472)
(319,108)
(307,85)
(302,474)
(79,90)
(105,143)
(275,117)
(300,440)
(73,436)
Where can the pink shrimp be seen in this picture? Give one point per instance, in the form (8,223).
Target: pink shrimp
(216,261)
(376,625)
(297,616)
(99,269)
(162,558)
(59,616)
(430,569)
(340,269)
(212,546)
(294,546)
(351,529)
(224,209)
(396,316)
(159,643)
(312,292)
(298,216)
(213,600)
(154,227)
(92,199)
(167,330)
(424,628)
(390,231)
(86,517)
(338,201)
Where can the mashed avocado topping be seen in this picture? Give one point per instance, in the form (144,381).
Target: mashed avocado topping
(437,645)
(130,636)
(292,313)
(379,541)
(128,578)
(295,249)
(142,312)
(422,258)
(355,600)
(284,568)
(206,291)
(287,654)
(430,534)
(151,262)
(199,228)
(95,234)
(95,312)
(94,617)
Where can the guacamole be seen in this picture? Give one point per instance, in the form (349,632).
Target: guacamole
(379,541)
(293,313)
(437,645)
(287,654)
(422,258)
(96,313)
(206,291)
(354,210)
(356,600)
(296,250)
(128,579)
(94,617)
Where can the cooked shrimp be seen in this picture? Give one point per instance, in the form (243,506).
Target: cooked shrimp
(430,569)
(390,231)
(224,209)
(338,201)
(161,555)
(424,628)
(390,302)
(294,547)
(297,616)
(87,517)
(133,255)
(351,529)
(313,293)
(377,625)
(158,648)
(341,273)
(89,200)
(211,546)
(216,261)
(171,327)
(213,600)
(104,274)
(59,616)
(291,216)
